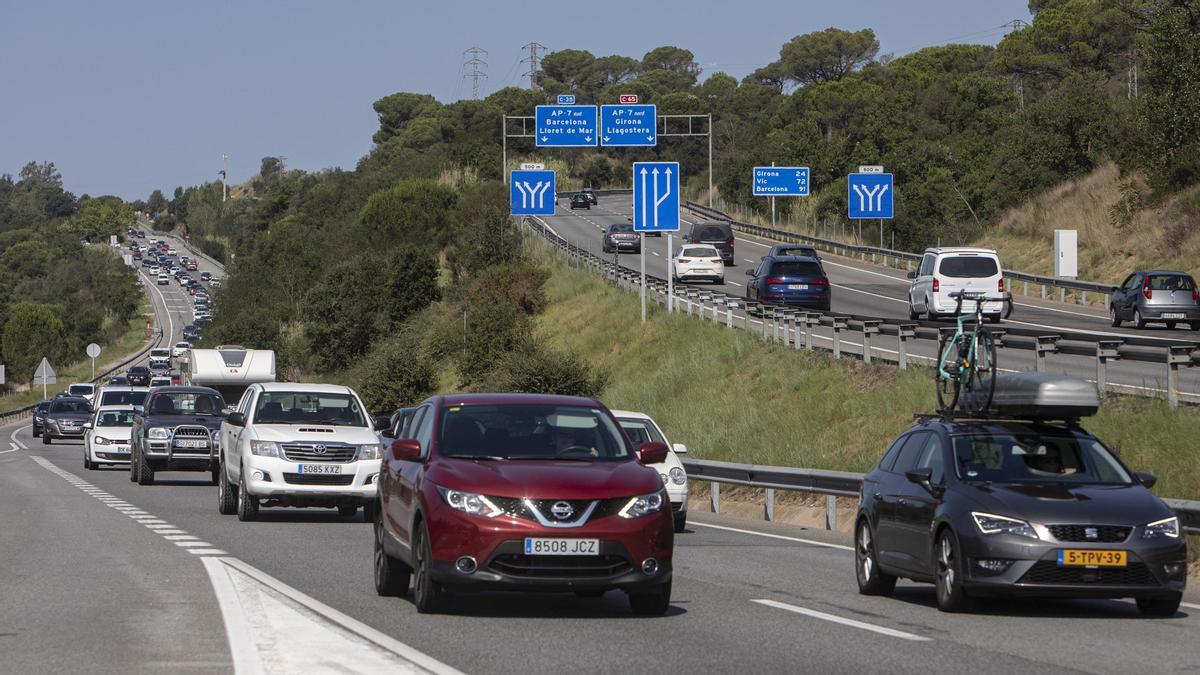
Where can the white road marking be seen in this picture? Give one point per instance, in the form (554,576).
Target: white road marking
(13,448)
(206,551)
(18,442)
(237,629)
(1189,605)
(882,630)
(734,283)
(811,542)
(191,544)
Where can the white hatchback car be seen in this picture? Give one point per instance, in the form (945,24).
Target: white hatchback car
(106,436)
(700,262)
(641,429)
(180,348)
(945,271)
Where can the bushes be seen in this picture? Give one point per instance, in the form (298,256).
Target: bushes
(399,374)
(536,369)
(32,331)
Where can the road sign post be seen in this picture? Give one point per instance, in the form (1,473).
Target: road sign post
(44,376)
(655,204)
(629,125)
(531,193)
(566,126)
(93,350)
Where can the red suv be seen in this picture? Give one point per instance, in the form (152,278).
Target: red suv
(521,492)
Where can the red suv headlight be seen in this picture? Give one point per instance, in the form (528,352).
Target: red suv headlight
(644,505)
(470,502)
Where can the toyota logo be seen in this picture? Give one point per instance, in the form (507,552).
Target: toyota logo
(562,510)
(320,449)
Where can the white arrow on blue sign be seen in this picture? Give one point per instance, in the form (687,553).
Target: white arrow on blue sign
(656,196)
(531,193)
(870,195)
(780,181)
(566,126)
(629,125)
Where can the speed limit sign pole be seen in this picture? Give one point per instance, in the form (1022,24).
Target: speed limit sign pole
(93,350)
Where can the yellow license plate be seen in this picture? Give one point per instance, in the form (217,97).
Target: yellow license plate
(1070,557)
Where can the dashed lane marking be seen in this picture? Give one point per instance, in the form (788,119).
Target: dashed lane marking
(833,618)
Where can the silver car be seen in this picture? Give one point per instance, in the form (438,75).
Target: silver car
(1158,296)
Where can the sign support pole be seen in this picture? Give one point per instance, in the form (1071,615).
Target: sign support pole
(93,367)
(642,255)
(670,275)
(710,160)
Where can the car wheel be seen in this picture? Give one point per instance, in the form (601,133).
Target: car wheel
(227,503)
(871,579)
(951,595)
(133,466)
(929,313)
(1115,321)
(428,595)
(653,603)
(347,510)
(370,511)
(247,504)
(1138,321)
(87,463)
(1160,605)
(36,432)
(680,522)
(1196,325)
(45,439)
(913,314)
(720,281)
(145,474)
(391,574)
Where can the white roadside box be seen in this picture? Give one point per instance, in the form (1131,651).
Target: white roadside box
(1066,254)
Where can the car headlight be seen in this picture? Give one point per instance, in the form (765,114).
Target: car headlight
(1167,527)
(643,505)
(992,524)
(370,451)
(158,433)
(469,502)
(264,448)
(100,440)
(678,476)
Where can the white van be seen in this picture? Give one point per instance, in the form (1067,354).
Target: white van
(944,271)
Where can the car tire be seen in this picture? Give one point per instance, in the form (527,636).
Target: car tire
(1138,321)
(145,474)
(1114,320)
(653,603)
(913,314)
(370,511)
(1196,325)
(133,466)
(347,511)
(247,504)
(392,576)
(720,281)
(35,432)
(227,503)
(87,463)
(951,595)
(871,579)
(45,439)
(681,522)
(1160,605)
(428,595)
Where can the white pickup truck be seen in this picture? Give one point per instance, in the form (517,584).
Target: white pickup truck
(290,444)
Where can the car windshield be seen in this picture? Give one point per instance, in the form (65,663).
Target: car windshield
(700,252)
(968,267)
(160,351)
(80,389)
(524,431)
(70,407)
(122,397)
(304,407)
(796,268)
(115,418)
(1170,282)
(622,227)
(640,431)
(1006,457)
(184,403)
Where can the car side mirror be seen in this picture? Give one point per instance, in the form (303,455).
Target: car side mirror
(912,274)
(749,273)
(652,453)
(921,477)
(382,422)
(237,419)
(406,449)
(1145,478)
(138,410)
(87,425)
(679,448)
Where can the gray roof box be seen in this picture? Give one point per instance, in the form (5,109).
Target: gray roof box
(1041,396)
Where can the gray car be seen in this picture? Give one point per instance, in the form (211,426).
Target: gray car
(65,418)
(1156,296)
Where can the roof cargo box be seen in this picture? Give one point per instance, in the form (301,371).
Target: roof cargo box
(1040,396)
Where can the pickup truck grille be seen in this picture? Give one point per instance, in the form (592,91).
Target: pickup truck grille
(319,452)
(318,479)
(197,439)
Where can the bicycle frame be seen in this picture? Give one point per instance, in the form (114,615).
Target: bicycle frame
(951,344)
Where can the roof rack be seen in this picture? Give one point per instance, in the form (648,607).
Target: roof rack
(992,416)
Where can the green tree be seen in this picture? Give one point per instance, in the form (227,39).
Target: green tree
(397,110)
(31,332)
(536,369)
(415,211)
(399,374)
(157,203)
(827,55)
(1169,113)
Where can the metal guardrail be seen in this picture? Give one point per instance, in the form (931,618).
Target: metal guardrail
(833,484)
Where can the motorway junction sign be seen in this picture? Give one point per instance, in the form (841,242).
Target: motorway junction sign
(531,193)
(869,195)
(780,181)
(629,125)
(565,126)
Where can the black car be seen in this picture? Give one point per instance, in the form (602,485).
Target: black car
(118,381)
(580,201)
(39,417)
(590,194)
(174,431)
(999,506)
(715,232)
(621,237)
(138,376)
(65,418)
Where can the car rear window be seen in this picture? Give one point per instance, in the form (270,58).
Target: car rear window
(968,267)
(80,389)
(797,250)
(713,232)
(1171,282)
(796,268)
(701,252)
(622,227)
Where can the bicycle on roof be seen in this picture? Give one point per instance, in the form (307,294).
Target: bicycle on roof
(967,358)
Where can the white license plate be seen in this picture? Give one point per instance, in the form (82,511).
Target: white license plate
(798,287)
(190,443)
(319,468)
(1173,315)
(538,546)
(121,449)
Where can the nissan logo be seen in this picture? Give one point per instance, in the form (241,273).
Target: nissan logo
(562,510)
(320,449)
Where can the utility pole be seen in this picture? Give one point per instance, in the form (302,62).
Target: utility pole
(224,177)
(1014,26)
(533,48)
(475,65)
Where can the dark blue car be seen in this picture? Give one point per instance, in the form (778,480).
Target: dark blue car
(795,281)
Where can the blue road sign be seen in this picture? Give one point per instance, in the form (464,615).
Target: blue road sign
(656,196)
(566,99)
(781,181)
(870,195)
(566,126)
(531,193)
(629,125)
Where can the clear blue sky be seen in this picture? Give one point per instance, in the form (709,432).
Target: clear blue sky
(129,95)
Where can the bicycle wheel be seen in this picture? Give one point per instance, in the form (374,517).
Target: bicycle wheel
(981,381)
(947,387)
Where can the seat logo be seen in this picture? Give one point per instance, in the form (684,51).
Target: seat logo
(320,449)
(562,510)
(1091,533)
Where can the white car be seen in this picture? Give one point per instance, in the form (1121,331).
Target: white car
(153,270)
(119,395)
(160,381)
(180,348)
(85,389)
(946,271)
(106,436)
(641,429)
(699,262)
(290,444)
(214,282)
(160,355)
(163,280)
(172,252)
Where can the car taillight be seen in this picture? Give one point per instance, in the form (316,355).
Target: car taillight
(936,285)
(821,282)
(730,242)
(1000,285)
(776,280)
(685,260)
(1146,289)
(1195,295)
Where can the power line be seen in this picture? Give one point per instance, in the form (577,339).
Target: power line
(533,48)
(1014,26)
(476,66)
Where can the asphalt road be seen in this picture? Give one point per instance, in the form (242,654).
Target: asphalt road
(102,575)
(869,290)
(172,304)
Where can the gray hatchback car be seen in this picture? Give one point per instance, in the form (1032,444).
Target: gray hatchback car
(1156,296)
